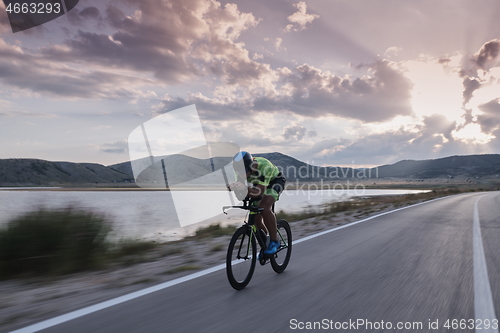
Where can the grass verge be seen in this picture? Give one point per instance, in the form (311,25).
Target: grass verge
(365,205)
(52,242)
(213,230)
(47,242)
(130,247)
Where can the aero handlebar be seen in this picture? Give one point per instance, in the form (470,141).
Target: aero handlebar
(246,206)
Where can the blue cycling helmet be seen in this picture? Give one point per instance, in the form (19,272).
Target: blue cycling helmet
(247,159)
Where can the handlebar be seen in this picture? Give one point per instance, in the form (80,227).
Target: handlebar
(246,206)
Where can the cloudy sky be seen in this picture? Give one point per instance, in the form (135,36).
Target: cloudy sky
(331,82)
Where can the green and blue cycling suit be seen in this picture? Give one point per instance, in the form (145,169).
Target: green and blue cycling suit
(264,175)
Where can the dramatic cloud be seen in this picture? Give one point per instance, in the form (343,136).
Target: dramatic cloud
(487,54)
(435,132)
(490,119)
(4,19)
(310,92)
(277,44)
(325,148)
(323,92)
(257,56)
(438,124)
(300,19)
(485,59)
(444,61)
(174,40)
(434,136)
(392,51)
(376,148)
(80,17)
(118,147)
(26,71)
(294,133)
(421,142)
(470,86)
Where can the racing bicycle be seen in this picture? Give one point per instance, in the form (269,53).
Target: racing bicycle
(242,251)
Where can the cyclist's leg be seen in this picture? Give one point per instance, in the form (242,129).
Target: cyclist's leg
(258,218)
(260,224)
(267,203)
(271,195)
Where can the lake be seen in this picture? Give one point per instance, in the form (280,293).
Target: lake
(152,215)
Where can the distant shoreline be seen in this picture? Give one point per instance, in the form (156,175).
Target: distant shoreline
(370,183)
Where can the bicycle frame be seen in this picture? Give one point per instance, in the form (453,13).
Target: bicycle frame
(253,227)
(262,242)
(243,248)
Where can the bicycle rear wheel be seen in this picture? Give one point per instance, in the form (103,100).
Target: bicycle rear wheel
(241,258)
(280,260)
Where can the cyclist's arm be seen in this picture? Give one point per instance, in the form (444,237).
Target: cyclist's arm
(253,191)
(260,186)
(256,191)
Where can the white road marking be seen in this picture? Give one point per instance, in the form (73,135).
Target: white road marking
(100,306)
(483,301)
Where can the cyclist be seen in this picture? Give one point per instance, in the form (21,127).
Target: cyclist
(264,180)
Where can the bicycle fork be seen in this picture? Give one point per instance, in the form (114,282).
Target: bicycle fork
(247,247)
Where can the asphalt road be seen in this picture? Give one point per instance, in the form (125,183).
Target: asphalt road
(417,266)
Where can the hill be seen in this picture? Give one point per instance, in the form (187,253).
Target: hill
(292,168)
(467,166)
(453,166)
(35,172)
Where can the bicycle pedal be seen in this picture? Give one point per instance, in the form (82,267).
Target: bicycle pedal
(263,258)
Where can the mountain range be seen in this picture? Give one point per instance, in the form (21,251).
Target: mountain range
(35,172)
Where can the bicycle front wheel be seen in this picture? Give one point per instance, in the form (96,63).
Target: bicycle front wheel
(280,260)
(241,258)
